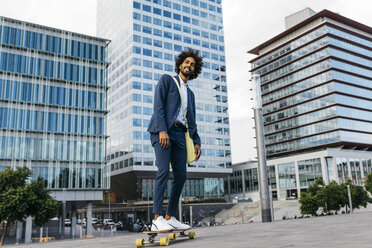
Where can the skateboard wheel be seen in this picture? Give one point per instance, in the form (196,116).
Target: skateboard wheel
(172,236)
(164,241)
(192,235)
(140,242)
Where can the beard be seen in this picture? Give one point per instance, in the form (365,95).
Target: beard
(186,73)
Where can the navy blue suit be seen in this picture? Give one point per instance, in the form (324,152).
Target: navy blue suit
(167,104)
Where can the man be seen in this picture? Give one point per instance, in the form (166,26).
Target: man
(167,129)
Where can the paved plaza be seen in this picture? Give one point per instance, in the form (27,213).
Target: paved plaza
(352,230)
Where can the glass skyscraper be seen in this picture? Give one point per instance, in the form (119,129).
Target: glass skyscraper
(316,83)
(316,86)
(146,37)
(53,107)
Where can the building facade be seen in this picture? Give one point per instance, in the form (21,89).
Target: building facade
(53,108)
(146,37)
(316,83)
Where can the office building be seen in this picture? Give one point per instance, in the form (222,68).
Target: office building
(316,83)
(146,37)
(53,108)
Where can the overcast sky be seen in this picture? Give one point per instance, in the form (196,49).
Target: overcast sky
(247,23)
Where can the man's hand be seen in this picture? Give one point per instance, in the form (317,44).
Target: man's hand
(164,139)
(197,151)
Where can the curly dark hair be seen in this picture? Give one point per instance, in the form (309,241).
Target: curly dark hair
(198,61)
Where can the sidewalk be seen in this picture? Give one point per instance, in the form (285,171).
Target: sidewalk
(341,231)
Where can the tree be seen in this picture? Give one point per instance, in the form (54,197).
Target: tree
(332,197)
(309,200)
(359,196)
(309,203)
(368,183)
(20,198)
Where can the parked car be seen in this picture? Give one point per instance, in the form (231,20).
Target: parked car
(67,222)
(109,222)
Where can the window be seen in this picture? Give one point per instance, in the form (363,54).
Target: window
(136,50)
(196,42)
(168,56)
(146,40)
(167,24)
(147,75)
(147,52)
(167,3)
(147,63)
(168,67)
(136,85)
(158,66)
(146,30)
(158,54)
(136,5)
(196,32)
(137,110)
(167,14)
(186,29)
(185,9)
(136,16)
(137,27)
(137,122)
(158,43)
(146,8)
(146,86)
(147,99)
(137,135)
(176,17)
(187,39)
(203,14)
(205,34)
(186,19)
(177,48)
(147,111)
(203,5)
(177,27)
(136,61)
(176,6)
(177,37)
(156,11)
(137,38)
(195,12)
(212,8)
(146,18)
(157,21)
(195,22)
(167,35)
(168,46)
(158,32)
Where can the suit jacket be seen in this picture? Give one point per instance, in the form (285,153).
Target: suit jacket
(167,104)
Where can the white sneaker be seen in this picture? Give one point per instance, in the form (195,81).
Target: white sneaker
(176,224)
(160,225)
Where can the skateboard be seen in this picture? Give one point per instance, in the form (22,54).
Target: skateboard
(164,241)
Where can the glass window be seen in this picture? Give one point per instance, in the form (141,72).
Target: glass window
(157,21)
(146,30)
(176,17)
(146,8)
(177,26)
(167,14)
(158,54)
(156,11)
(158,32)
(136,5)
(146,18)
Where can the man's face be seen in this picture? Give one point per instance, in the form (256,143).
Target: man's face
(188,67)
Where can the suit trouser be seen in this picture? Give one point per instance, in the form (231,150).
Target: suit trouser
(175,154)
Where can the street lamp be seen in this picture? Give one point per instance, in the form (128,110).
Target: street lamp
(261,150)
